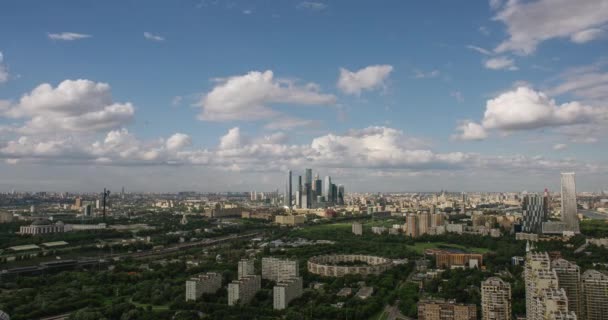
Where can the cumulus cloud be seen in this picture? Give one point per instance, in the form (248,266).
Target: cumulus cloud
(248,97)
(469,130)
(153,37)
(3,70)
(532,22)
(500,63)
(526,109)
(232,139)
(72,106)
(368,78)
(68,36)
(421,75)
(178,141)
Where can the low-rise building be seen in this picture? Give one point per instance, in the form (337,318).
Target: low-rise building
(290,220)
(446,310)
(365,292)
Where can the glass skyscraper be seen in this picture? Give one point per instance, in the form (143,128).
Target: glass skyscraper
(569,211)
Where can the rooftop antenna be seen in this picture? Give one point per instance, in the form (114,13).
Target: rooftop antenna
(106,194)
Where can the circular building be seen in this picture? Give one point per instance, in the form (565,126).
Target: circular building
(4,316)
(338,265)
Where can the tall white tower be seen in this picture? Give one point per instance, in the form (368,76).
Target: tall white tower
(569,211)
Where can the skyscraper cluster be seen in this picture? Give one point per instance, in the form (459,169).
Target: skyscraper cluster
(311,192)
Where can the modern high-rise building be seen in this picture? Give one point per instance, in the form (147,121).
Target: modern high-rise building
(569,210)
(334,193)
(495,299)
(569,278)
(208,282)
(285,291)
(538,277)
(552,301)
(411,225)
(595,292)
(318,187)
(243,290)
(424,223)
(535,212)
(276,269)
(87,210)
(327,189)
(308,176)
(288,190)
(246,268)
(341,194)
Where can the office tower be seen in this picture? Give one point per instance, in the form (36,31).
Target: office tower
(209,282)
(87,210)
(495,299)
(122,193)
(246,268)
(464,204)
(535,212)
(318,187)
(341,194)
(276,269)
(445,310)
(436,219)
(569,278)
(569,211)
(327,189)
(243,290)
(433,207)
(357,228)
(412,225)
(538,277)
(285,291)
(334,193)
(97,204)
(595,292)
(299,193)
(288,191)
(308,176)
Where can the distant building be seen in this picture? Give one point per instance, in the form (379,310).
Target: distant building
(290,220)
(209,282)
(449,259)
(246,268)
(411,225)
(42,226)
(87,210)
(276,269)
(364,293)
(6,217)
(445,310)
(357,228)
(569,210)
(285,291)
(495,299)
(569,278)
(595,291)
(243,290)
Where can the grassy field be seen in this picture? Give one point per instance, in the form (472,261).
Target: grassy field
(421,246)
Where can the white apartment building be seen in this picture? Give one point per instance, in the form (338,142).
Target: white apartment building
(285,291)
(276,269)
(243,290)
(208,282)
(246,268)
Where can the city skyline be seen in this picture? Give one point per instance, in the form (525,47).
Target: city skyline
(407,98)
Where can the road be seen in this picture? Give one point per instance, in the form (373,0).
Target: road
(593,214)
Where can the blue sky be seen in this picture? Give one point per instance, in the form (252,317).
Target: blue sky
(227,95)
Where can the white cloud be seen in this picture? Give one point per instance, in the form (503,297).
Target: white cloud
(589,83)
(176,101)
(312,5)
(587,35)
(153,37)
(559,146)
(431,74)
(479,49)
(457,95)
(247,97)
(247,11)
(3,70)
(368,78)
(500,63)
(178,141)
(524,109)
(233,139)
(68,36)
(72,106)
(532,22)
(286,123)
(470,130)
(495,4)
